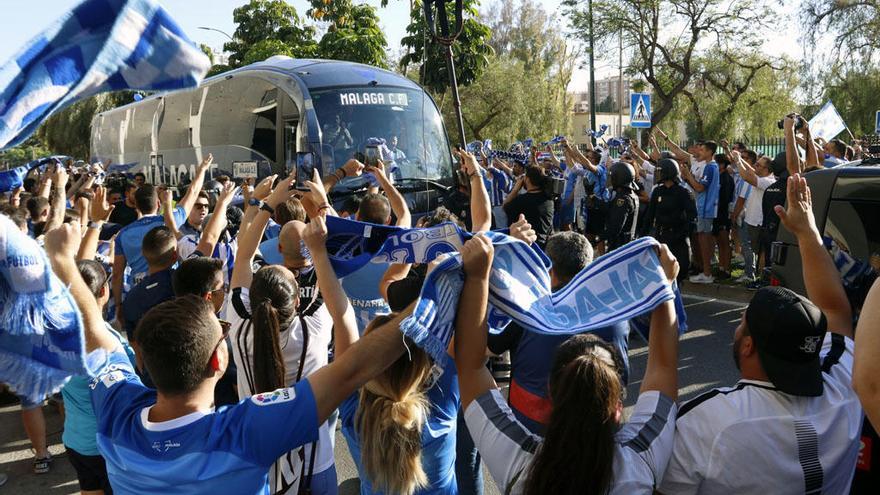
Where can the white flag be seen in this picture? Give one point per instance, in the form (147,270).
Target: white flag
(827,123)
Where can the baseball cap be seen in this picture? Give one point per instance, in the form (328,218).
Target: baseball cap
(788,331)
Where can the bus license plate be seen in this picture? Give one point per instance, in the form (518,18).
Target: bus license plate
(244,170)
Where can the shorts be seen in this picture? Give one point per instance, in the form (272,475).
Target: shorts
(91,471)
(27,404)
(566,213)
(721,223)
(704,225)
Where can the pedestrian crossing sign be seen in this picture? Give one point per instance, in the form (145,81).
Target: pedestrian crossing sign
(640,110)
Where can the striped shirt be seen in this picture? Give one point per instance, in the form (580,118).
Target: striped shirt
(644,443)
(752,438)
(223,251)
(498,184)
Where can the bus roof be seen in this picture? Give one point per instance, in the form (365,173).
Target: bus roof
(314,73)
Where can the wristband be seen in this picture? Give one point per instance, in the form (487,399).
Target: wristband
(254,202)
(96,225)
(266,207)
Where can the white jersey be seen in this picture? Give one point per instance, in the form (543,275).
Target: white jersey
(319,329)
(644,443)
(754,206)
(752,438)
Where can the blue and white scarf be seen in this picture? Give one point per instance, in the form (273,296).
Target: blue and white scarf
(100,45)
(41,340)
(618,286)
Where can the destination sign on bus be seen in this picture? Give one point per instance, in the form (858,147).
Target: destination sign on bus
(367,98)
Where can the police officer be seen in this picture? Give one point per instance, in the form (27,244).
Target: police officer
(672,213)
(620,224)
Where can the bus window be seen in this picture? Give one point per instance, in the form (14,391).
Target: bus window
(407,119)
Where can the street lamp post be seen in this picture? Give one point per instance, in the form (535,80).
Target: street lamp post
(592,71)
(224,33)
(446,39)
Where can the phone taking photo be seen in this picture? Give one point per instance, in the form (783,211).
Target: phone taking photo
(305,169)
(371,155)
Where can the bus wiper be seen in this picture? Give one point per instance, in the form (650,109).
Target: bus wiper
(411,183)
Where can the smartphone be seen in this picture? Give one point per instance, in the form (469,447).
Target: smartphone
(371,155)
(305,168)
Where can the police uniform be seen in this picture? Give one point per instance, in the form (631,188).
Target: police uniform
(670,219)
(620,224)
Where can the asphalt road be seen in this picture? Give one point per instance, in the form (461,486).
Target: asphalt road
(704,356)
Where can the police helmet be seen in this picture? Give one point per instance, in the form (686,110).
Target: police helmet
(623,175)
(667,169)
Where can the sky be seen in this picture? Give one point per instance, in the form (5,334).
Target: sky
(29,17)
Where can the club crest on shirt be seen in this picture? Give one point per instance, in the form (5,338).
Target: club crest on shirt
(109,376)
(275,397)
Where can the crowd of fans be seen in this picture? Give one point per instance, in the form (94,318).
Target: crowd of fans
(232,350)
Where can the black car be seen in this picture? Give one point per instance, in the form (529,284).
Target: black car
(846,204)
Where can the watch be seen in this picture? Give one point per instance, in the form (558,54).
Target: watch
(254,202)
(266,207)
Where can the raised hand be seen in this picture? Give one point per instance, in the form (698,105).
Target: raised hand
(522,230)
(476,256)
(282,192)
(100,210)
(206,162)
(63,241)
(668,262)
(353,168)
(264,188)
(798,215)
(315,234)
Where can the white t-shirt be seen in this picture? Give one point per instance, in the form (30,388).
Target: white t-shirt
(754,208)
(320,331)
(752,438)
(644,443)
(697,167)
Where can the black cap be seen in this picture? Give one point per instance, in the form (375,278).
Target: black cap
(788,331)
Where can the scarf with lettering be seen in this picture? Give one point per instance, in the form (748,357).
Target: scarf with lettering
(41,340)
(618,286)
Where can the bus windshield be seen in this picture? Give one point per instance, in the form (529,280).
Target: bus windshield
(406,119)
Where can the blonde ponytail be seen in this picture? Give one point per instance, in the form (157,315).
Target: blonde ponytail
(391,413)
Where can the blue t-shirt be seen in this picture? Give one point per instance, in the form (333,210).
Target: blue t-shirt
(707,199)
(80,423)
(362,289)
(151,291)
(227,451)
(599,179)
(131,237)
(273,230)
(438,435)
(531,362)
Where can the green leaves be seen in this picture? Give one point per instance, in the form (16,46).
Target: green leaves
(471,50)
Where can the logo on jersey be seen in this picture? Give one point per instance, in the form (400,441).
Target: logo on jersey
(276,397)
(165,446)
(810,344)
(109,376)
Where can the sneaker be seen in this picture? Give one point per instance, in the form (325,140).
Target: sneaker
(702,279)
(42,464)
(757,284)
(745,280)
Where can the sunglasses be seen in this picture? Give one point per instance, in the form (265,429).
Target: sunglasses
(202,205)
(224,328)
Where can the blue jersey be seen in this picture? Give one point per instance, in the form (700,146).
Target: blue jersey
(707,199)
(80,423)
(498,184)
(131,237)
(438,435)
(362,289)
(229,450)
(599,179)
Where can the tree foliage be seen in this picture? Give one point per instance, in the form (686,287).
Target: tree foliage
(741,95)
(853,24)
(667,36)
(269,20)
(68,132)
(471,50)
(854,92)
(354,33)
(30,149)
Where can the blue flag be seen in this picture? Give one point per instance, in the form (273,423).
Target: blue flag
(101,45)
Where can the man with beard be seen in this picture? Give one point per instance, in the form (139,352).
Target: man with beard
(791,424)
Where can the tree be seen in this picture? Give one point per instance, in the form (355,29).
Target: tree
(68,132)
(30,149)
(207,51)
(353,34)
(661,56)
(730,95)
(853,23)
(854,92)
(265,21)
(470,52)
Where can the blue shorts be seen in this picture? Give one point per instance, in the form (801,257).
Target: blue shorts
(27,404)
(704,225)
